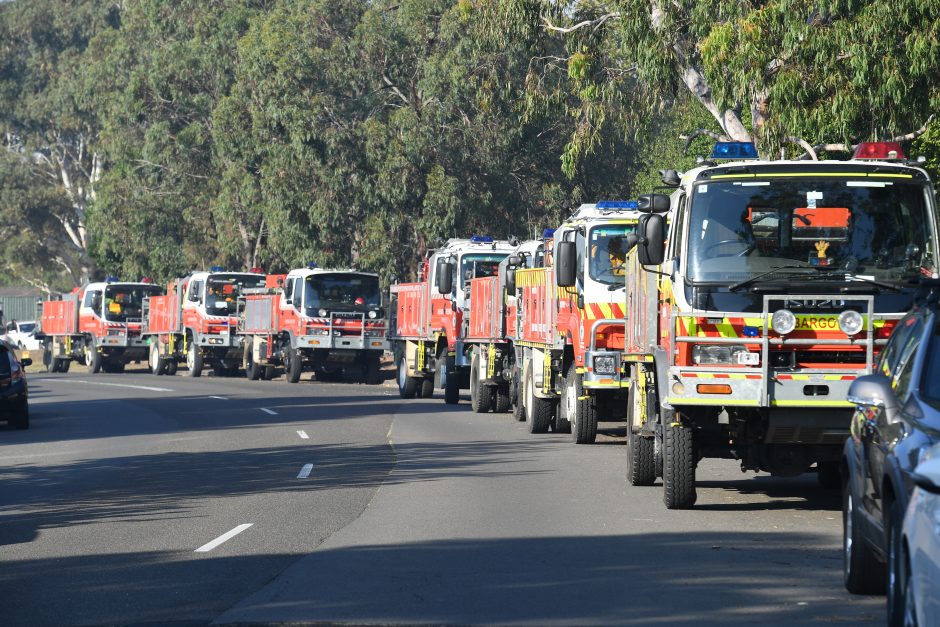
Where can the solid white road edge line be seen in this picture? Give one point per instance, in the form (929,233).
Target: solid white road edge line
(269,411)
(228,535)
(114,385)
(305,471)
(303,435)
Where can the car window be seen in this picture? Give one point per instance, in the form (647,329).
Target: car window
(891,355)
(929,390)
(6,364)
(901,379)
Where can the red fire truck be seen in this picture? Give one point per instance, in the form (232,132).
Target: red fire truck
(571,321)
(98,324)
(492,328)
(773,286)
(196,322)
(328,321)
(428,324)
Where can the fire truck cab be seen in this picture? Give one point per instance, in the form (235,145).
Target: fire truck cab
(770,288)
(98,325)
(328,321)
(571,321)
(427,329)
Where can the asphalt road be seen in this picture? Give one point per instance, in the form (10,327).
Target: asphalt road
(387,512)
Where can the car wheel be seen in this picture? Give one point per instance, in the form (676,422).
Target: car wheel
(862,573)
(894,520)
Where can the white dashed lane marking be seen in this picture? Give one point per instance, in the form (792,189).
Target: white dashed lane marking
(225,537)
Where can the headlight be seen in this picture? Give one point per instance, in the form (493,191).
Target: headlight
(605,364)
(783,321)
(323,313)
(850,321)
(373,314)
(321,331)
(718,355)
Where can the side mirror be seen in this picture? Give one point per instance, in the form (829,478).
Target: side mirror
(26,361)
(445,279)
(515,260)
(566,264)
(653,203)
(511,281)
(670,178)
(288,301)
(873,390)
(630,240)
(651,243)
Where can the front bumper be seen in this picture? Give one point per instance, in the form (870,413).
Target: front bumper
(726,388)
(343,342)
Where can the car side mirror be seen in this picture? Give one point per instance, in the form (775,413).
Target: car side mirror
(445,279)
(873,390)
(651,241)
(566,264)
(26,361)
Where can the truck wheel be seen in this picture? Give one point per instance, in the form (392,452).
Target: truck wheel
(502,401)
(581,415)
(21,415)
(268,373)
(373,370)
(427,388)
(406,384)
(115,367)
(253,369)
(538,411)
(194,360)
(48,361)
(678,467)
(451,381)
(862,573)
(295,365)
(92,358)
(658,455)
(479,394)
(157,362)
(641,463)
(64,365)
(171,367)
(517,387)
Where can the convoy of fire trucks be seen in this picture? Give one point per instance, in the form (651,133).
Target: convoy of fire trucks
(725,320)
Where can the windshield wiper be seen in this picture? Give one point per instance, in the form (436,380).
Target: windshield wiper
(854,278)
(757,277)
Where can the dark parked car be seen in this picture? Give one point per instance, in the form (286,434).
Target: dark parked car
(896,420)
(14,401)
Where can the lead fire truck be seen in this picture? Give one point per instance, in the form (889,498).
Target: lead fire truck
(492,329)
(428,324)
(770,288)
(571,323)
(98,325)
(196,322)
(328,321)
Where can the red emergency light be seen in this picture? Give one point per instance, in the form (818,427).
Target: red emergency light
(256,270)
(146,279)
(882,151)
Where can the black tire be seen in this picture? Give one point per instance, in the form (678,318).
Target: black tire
(828,475)
(427,388)
(566,409)
(171,367)
(862,573)
(56,365)
(479,394)
(373,370)
(295,365)
(114,367)
(252,369)
(21,415)
(678,467)
(156,362)
(894,520)
(910,600)
(451,381)
(641,454)
(518,387)
(658,447)
(194,359)
(64,365)
(92,357)
(407,386)
(48,361)
(582,415)
(538,411)
(268,373)
(502,401)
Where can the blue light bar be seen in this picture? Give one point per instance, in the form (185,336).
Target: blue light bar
(481,239)
(548,234)
(215,269)
(734,150)
(311,264)
(617,204)
(111,279)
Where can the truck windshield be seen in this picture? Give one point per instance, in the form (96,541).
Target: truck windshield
(122,303)
(222,291)
(872,229)
(346,291)
(476,265)
(608,251)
